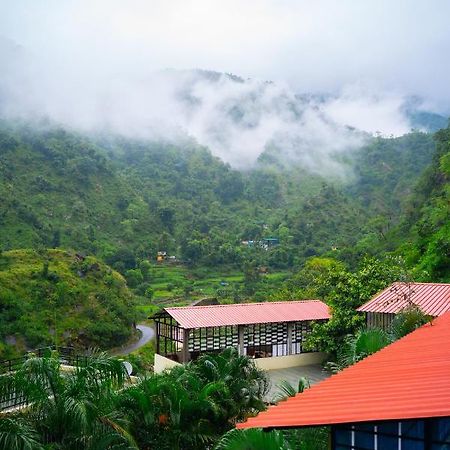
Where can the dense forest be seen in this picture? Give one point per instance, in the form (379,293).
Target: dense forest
(122,201)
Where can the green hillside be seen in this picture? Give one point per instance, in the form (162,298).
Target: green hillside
(427,220)
(124,200)
(60,297)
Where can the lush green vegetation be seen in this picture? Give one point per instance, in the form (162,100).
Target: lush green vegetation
(123,201)
(427,222)
(62,298)
(94,406)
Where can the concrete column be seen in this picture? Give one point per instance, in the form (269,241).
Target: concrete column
(241,339)
(290,331)
(185,354)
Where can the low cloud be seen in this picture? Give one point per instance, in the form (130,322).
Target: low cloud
(237,119)
(97,66)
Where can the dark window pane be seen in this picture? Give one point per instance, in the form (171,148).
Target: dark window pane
(365,439)
(409,444)
(388,428)
(342,436)
(413,429)
(388,436)
(440,430)
(387,442)
(440,447)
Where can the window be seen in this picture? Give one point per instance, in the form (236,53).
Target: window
(428,434)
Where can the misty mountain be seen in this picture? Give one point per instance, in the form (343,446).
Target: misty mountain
(237,119)
(122,199)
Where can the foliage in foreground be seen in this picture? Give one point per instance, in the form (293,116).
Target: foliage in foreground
(94,408)
(66,409)
(253,439)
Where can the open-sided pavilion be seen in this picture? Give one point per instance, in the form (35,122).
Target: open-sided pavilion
(273,333)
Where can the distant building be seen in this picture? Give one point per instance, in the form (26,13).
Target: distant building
(264,243)
(395,399)
(271,242)
(161,256)
(432,299)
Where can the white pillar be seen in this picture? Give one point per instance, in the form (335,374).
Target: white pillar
(241,349)
(185,355)
(290,331)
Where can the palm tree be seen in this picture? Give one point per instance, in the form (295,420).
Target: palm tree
(17,434)
(191,406)
(356,347)
(253,439)
(243,384)
(286,389)
(171,411)
(71,408)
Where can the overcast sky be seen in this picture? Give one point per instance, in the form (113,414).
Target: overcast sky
(315,45)
(94,64)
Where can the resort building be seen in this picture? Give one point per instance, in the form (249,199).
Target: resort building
(395,399)
(273,333)
(433,299)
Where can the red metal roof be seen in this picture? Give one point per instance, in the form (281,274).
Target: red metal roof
(432,298)
(249,313)
(408,379)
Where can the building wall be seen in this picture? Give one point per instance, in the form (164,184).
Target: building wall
(275,362)
(379,320)
(423,434)
(283,362)
(162,363)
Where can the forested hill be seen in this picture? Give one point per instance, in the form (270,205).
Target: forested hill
(63,298)
(426,225)
(122,199)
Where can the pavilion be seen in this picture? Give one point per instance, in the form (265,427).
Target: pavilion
(433,299)
(273,333)
(397,398)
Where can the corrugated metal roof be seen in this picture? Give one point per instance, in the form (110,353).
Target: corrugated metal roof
(432,298)
(249,313)
(408,379)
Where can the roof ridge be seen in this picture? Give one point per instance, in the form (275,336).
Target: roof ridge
(245,304)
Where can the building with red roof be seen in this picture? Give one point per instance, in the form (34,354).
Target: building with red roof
(397,398)
(433,299)
(272,332)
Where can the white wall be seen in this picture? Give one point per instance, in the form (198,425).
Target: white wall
(162,363)
(283,362)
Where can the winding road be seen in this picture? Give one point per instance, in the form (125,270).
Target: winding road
(147,334)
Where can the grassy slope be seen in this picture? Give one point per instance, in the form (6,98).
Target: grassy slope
(68,302)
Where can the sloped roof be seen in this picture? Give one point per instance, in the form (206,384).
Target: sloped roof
(408,379)
(248,313)
(432,298)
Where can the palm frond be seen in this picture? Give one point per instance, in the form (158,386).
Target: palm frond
(252,439)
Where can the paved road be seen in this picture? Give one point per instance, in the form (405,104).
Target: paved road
(147,334)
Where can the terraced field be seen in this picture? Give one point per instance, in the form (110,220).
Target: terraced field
(178,285)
